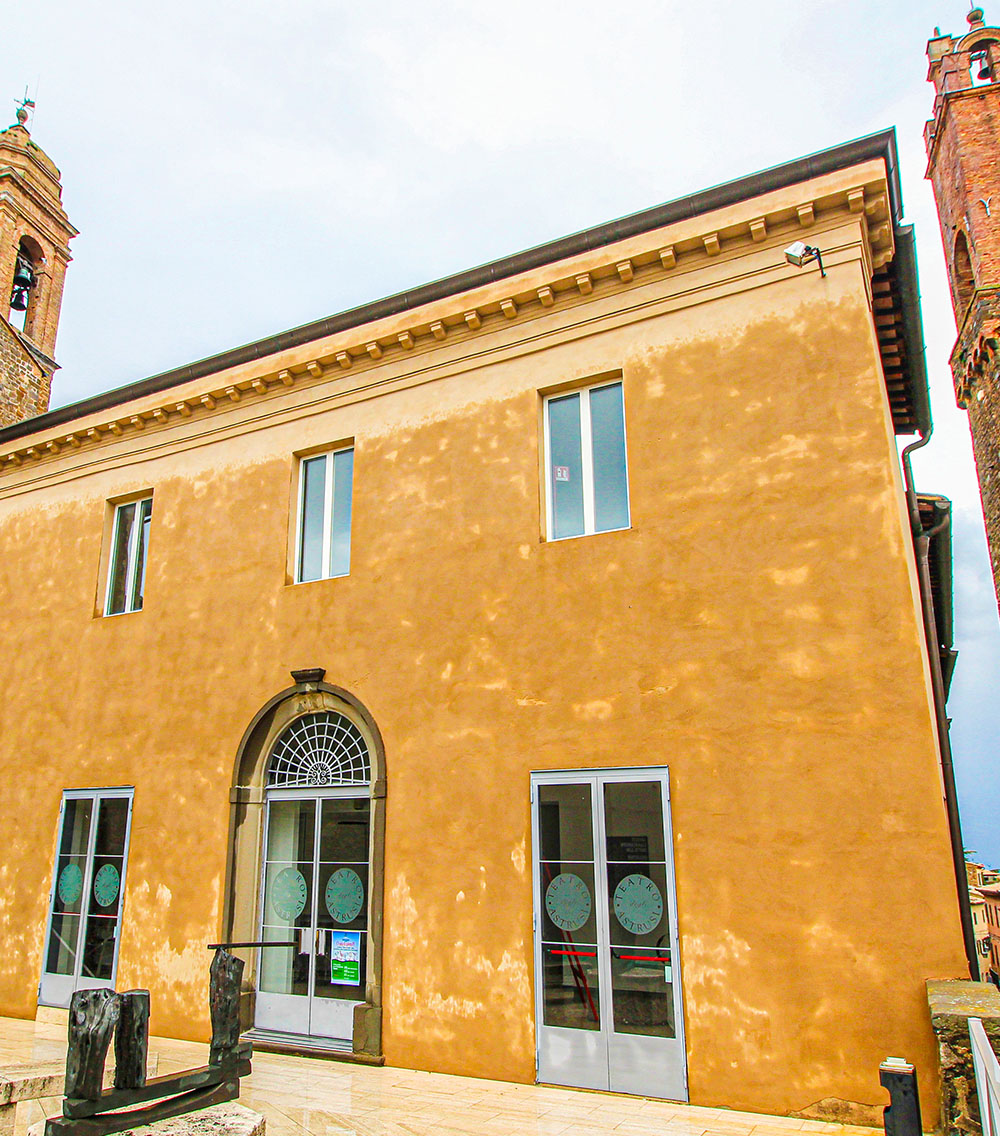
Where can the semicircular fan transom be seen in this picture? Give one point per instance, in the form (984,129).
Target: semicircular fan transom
(318,750)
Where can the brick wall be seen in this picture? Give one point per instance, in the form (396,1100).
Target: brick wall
(31,211)
(963,140)
(964,172)
(24,387)
(984,422)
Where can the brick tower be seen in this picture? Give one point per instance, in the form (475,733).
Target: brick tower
(34,252)
(963,143)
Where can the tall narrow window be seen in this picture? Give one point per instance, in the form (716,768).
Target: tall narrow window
(85,912)
(964,275)
(586,469)
(127,568)
(324,528)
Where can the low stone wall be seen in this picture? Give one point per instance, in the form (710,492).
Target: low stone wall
(952,1003)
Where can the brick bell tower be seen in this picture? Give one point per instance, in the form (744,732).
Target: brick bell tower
(34,252)
(963,152)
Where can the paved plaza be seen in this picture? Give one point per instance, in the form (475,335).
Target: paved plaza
(312,1097)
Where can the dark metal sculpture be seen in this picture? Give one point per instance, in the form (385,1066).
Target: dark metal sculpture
(131,1040)
(226,974)
(95,1015)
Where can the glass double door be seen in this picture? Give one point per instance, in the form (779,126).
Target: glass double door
(81,948)
(315,910)
(607,968)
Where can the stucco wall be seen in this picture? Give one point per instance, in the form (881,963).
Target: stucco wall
(755,630)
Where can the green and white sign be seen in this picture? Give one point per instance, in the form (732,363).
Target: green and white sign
(345,895)
(70,886)
(345,958)
(106,884)
(568,902)
(638,904)
(289,894)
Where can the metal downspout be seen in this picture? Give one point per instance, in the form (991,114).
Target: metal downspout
(921,547)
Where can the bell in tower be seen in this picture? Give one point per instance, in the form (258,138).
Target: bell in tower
(34,253)
(24,279)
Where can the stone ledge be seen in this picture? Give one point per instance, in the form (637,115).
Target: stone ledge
(963,998)
(952,1003)
(31,1081)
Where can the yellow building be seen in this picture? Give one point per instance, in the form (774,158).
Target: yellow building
(519,657)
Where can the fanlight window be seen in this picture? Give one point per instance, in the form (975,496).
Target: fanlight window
(319,749)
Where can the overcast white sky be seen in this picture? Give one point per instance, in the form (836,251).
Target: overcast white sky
(238,167)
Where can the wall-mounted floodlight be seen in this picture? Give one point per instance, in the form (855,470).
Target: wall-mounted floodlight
(801,254)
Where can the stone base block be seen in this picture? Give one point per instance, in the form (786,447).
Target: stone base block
(230,1119)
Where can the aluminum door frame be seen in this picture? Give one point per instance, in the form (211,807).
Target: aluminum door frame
(58,989)
(627,1068)
(583,1051)
(635,1065)
(280,1011)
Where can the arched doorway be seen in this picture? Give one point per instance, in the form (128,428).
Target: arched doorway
(307,826)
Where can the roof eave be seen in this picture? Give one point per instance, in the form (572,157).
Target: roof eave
(880,145)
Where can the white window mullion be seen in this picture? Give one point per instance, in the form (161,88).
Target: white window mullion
(328,515)
(587,462)
(547,476)
(300,526)
(88,883)
(121,885)
(52,897)
(116,524)
(314,905)
(132,557)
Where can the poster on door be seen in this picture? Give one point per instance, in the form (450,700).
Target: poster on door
(345,958)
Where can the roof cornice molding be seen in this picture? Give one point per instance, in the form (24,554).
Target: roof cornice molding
(370,348)
(880,146)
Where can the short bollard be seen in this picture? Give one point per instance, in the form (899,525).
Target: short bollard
(901,1117)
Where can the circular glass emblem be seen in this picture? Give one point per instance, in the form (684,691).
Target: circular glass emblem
(106,884)
(70,884)
(638,904)
(289,893)
(345,895)
(568,902)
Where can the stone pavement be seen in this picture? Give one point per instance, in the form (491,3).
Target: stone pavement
(302,1096)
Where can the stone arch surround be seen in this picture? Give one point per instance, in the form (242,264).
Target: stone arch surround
(240,913)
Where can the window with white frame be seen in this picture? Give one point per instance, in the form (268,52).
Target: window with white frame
(127,563)
(586,469)
(323,545)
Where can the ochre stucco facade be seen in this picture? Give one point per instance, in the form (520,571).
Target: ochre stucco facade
(757,630)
